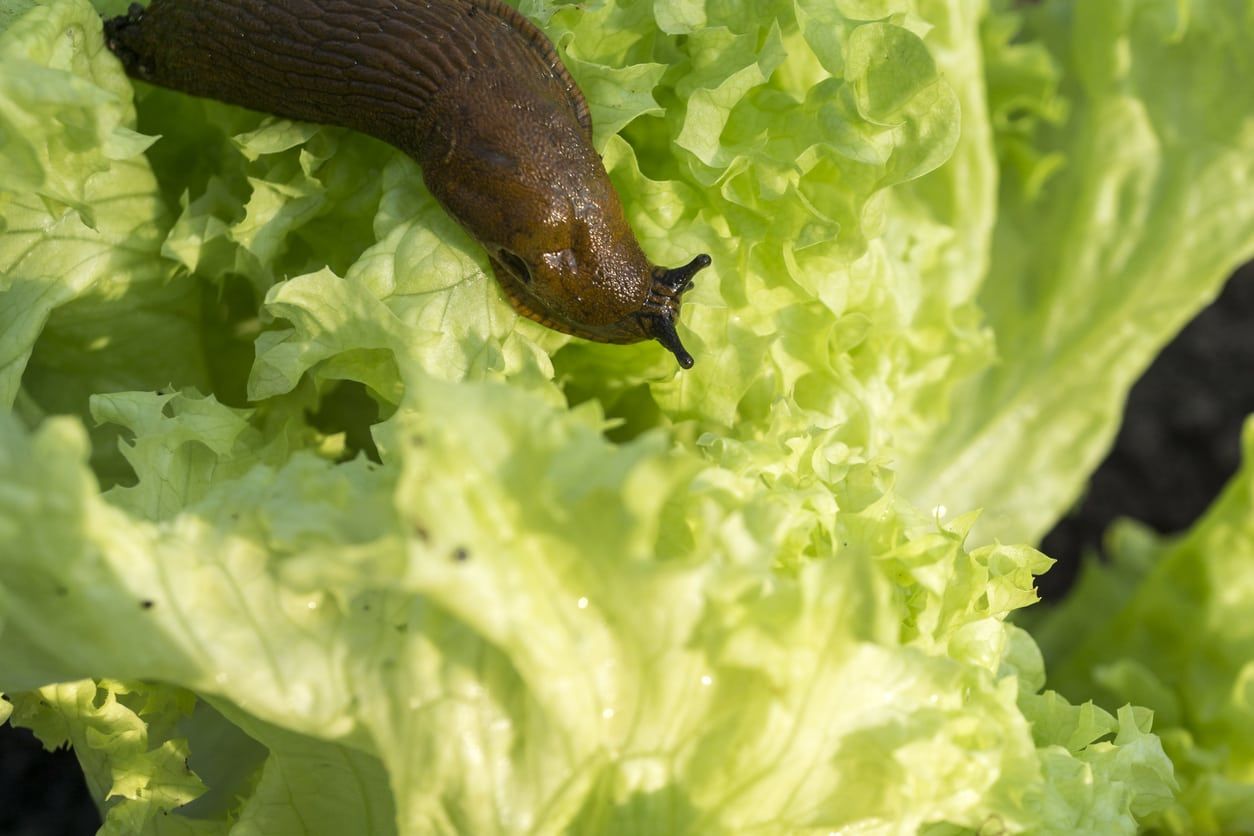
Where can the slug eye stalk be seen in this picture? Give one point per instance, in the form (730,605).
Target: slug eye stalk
(680,278)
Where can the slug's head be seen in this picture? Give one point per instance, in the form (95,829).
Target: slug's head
(600,288)
(526,182)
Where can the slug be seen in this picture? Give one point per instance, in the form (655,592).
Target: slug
(476,94)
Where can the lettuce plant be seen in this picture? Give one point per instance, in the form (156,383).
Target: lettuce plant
(302,530)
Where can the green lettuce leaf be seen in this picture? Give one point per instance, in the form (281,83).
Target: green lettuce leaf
(1115,225)
(122,735)
(1164,625)
(389,627)
(83,293)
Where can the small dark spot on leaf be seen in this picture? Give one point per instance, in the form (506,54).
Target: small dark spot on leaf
(365,608)
(63,591)
(147,604)
(461,555)
(401,628)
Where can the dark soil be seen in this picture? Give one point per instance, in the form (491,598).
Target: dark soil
(41,793)
(1179,444)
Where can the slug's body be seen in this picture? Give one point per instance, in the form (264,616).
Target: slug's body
(471,90)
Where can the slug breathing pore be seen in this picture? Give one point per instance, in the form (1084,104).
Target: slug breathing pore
(476,94)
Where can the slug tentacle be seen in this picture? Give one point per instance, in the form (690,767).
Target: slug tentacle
(470,89)
(662,329)
(680,278)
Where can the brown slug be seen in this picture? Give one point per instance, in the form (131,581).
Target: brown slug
(476,94)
